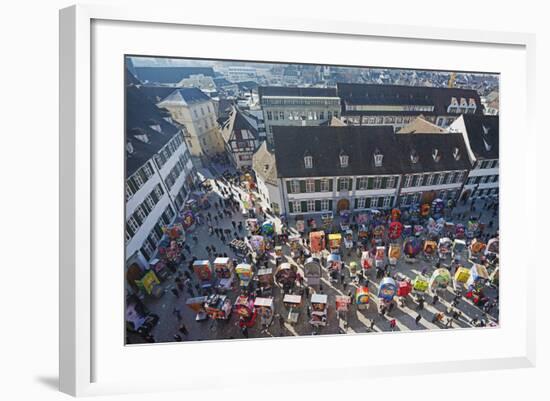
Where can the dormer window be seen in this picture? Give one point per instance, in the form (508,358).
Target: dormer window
(344,159)
(414,157)
(308,161)
(378,157)
(485,130)
(436,154)
(456,154)
(129,147)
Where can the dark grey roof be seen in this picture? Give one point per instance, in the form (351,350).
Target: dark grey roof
(247,85)
(440,98)
(156,93)
(170,75)
(141,114)
(235,123)
(424,146)
(360,143)
(483,135)
(188,95)
(288,91)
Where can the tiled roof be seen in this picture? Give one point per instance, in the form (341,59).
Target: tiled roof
(263,163)
(483,135)
(185,96)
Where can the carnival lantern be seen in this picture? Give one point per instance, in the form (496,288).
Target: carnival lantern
(460,231)
(268,228)
(394,253)
(362,297)
(441,278)
(395,214)
(407,230)
(387,289)
(418,230)
(378,231)
(492,247)
(404,288)
(412,247)
(285,275)
(257,243)
(462,274)
(437,206)
(188,219)
(317,241)
(425,210)
(366,260)
(420,283)
(395,230)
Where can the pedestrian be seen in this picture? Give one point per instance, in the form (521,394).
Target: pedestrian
(306,292)
(393,323)
(177,313)
(390,307)
(213,248)
(449,322)
(234,224)
(177,337)
(244,330)
(183,329)
(417,319)
(175,292)
(435,299)
(371,326)
(195,239)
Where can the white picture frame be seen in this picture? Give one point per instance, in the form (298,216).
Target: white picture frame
(84,349)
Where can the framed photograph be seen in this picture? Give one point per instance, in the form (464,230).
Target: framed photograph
(290,188)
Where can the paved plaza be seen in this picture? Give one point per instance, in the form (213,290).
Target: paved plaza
(172,310)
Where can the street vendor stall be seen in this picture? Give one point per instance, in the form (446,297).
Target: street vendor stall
(318,309)
(312,271)
(317,241)
(244,307)
(362,297)
(265,309)
(244,273)
(440,279)
(203,271)
(197,305)
(334,242)
(292,303)
(218,307)
(286,276)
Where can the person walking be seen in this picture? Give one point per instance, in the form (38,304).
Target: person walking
(393,323)
(371,326)
(435,299)
(177,313)
(183,329)
(417,319)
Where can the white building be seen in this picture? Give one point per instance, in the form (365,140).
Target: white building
(241,74)
(195,110)
(203,82)
(159,175)
(283,106)
(481,134)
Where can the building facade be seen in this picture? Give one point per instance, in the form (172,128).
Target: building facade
(297,107)
(240,137)
(358,168)
(481,134)
(195,110)
(399,105)
(265,169)
(159,175)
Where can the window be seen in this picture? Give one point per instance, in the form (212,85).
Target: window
(377,183)
(343,184)
(374,201)
(147,250)
(440,178)
(387,202)
(321,115)
(281,115)
(361,203)
(310,205)
(294,186)
(391,182)
(269,115)
(378,158)
(442,194)
(408,180)
(329,115)
(310,185)
(362,183)
(296,206)
(483,179)
(325,185)
(343,160)
(416,197)
(308,162)
(324,205)
(450,178)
